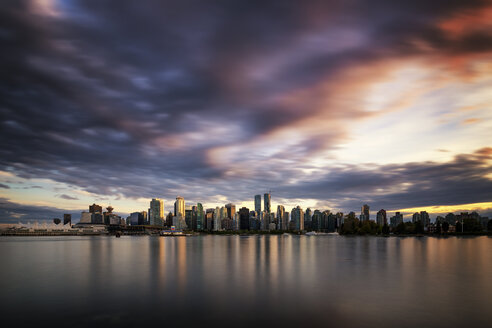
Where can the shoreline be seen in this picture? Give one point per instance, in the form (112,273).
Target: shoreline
(241,234)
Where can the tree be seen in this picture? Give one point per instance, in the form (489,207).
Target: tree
(400,228)
(438,227)
(56,221)
(386,229)
(445,226)
(458,226)
(419,228)
(489,225)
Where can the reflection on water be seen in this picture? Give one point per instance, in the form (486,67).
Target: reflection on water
(246,281)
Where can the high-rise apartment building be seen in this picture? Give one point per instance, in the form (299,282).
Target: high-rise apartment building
(244,218)
(364,212)
(258,204)
(156,212)
(267,203)
(381,217)
(199,217)
(231,210)
(280,218)
(179,207)
(297,217)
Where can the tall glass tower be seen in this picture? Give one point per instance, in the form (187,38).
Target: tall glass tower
(258,204)
(268,203)
(156,211)
(179,207)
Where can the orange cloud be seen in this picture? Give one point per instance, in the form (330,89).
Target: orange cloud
(465,22)
(471,121)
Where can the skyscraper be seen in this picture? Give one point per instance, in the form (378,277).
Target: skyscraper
(297,217)
(217,220)
(280,218)
(189,216)
(231,210)
(396,220)
(244,218)
(381,217)
(199,221)
(424,216)
(267,203)
(364,212)
(179,207)
(258,204)
(156,212)
(209,219)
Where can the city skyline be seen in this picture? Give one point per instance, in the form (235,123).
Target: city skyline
(328,105)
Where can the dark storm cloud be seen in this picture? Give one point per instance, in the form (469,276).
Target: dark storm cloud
(68,197)
(4,186)
(101,95)
(11,212)
(460,181)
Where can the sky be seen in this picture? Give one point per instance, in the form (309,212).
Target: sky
(327,104)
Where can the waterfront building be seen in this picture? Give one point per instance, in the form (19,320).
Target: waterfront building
(244,218)
(236,220)
(424,216)
(285,221)
(134,218)
(217,220)
(189,215)
(143,218)
(339,216)
(365,212)
(95,208)
(179,223)
(169,219)
(209,218)
(199,217)
(297,216)
(86,217)
(416,217)
(267,204)
(308,216)
(223,213)
(381,217)
(264,220)
(179,206)
(97,218)
(450,218)
(67,219)
(156,212)
(329,221)
(316,220)
(396,220)
(231,210)
(257,203)
(281,225)
(114,219)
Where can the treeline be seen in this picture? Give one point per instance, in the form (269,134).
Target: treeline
(354,226)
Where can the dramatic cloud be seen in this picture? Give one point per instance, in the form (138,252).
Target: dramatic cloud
(12,212)
(219,101)
(4,186)
(68,197)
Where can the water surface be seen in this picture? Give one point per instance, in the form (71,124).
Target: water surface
(257,281)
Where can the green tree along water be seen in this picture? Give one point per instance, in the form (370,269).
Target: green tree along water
(354,226)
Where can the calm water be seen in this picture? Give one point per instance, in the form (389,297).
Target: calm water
(322,281)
